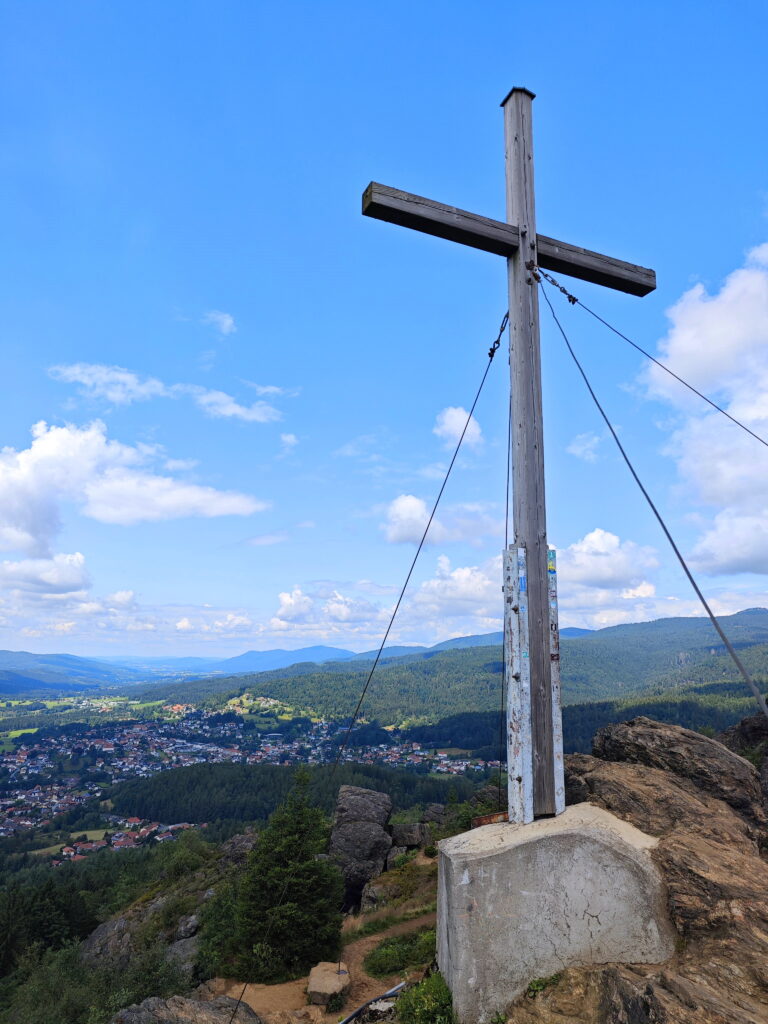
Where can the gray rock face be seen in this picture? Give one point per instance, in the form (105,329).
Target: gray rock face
(110,941)
(359,841)
(372,897)
(435,813)
(183,954)
(410,835)
(178,1010)
(187,927)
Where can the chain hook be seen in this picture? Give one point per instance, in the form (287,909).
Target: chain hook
(495,346)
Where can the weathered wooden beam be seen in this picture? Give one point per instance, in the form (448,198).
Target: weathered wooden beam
(411,211)
(562,258)
(432,218)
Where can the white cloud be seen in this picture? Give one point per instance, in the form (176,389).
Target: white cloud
(407,518)
(603,580)
(268,389)
(109,481)
(295,606)
(719,343)
(288,441)
(268,539)
(450,423)
(220,405)
(119,386)
(114,383)
(184,625)
(224,323)
(601,559)
(233,623)
(584,446)
(61,574)
(178,465)
(472,591)
(125,497)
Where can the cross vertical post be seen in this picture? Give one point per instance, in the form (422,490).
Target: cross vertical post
(531,642)
(532,759)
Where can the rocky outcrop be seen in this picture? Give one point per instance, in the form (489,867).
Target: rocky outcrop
(178,1010)
(702,802)
(183,955)
(116,941)
(112,940)
(708,765)
(359,840)
(749,737)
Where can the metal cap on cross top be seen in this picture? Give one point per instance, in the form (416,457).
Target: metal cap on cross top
(531,640)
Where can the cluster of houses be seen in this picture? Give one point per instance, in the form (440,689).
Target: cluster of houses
(138,833)
(38,781)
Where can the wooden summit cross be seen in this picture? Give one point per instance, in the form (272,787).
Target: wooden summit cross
(531,645)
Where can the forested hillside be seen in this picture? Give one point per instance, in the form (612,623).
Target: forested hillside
(712,707)
(248,793)
(617,663)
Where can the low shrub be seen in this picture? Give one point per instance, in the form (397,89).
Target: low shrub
(429,1002)
(399,952)
(541,984)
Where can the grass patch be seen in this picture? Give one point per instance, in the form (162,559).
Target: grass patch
(429,1002)
(399,952)
(374,925)
(49,851)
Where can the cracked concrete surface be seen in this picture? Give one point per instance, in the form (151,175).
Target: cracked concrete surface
(519,902)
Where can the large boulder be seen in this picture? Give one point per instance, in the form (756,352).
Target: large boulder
(178,1010)
(707,764)
(410,835)
(359,840)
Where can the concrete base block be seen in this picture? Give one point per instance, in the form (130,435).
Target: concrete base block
(519,902)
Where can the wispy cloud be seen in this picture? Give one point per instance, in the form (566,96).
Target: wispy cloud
(118,386)
(222,322)
(113,383)
(584,446)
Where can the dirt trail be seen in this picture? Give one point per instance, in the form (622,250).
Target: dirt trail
(291,995)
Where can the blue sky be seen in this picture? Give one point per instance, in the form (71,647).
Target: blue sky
(227,397)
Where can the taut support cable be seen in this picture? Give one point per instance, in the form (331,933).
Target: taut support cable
(705,604)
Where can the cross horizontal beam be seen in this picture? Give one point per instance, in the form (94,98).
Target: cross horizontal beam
(410,211)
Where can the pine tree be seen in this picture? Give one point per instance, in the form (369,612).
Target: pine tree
(287,912)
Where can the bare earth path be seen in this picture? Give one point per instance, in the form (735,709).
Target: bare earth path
(291,996)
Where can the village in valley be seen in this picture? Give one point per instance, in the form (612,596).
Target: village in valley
(44,776)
